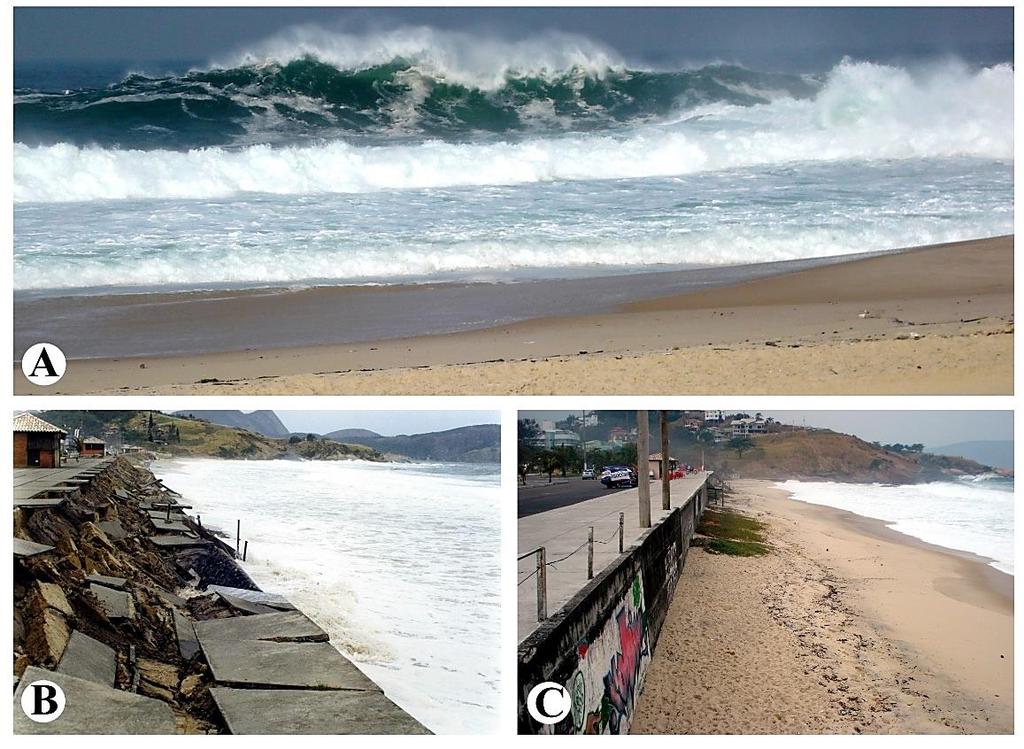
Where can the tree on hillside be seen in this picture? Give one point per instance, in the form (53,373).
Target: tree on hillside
(741,445)
(706,436)
(310,437)
(294,439)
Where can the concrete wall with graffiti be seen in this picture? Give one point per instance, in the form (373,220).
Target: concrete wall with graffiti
(599,645)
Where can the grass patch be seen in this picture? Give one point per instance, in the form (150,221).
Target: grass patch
(733,534)
(736,548)
(731,525)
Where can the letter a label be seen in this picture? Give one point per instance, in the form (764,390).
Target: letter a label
(43,364)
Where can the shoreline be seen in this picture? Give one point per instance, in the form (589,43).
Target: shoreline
(929,320)
(881,530)
(854,627)
(307,315)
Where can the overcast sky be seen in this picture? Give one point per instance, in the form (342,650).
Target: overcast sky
(388,423)
(779,38)
(931,428)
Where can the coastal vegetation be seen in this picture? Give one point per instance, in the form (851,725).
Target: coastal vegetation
(733,534)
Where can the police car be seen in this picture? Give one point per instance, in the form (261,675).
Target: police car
(618,477)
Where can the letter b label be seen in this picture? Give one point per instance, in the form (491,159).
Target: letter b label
(43,701)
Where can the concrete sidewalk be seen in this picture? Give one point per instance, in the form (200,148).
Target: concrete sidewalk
(565,529)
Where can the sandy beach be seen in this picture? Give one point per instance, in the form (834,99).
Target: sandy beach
(933,320)
(846,627)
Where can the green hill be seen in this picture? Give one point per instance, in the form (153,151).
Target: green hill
(823,454)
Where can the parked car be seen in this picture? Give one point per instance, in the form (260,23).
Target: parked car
(588,473)
(616,477)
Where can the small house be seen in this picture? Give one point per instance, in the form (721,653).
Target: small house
(654,465)
(36,442)
(93,447)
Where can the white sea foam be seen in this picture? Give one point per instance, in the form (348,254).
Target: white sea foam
(864,112)
(474,59)
(973,515)
(399,563)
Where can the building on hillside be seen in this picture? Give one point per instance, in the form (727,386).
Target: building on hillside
(36,442)
(713,417)
(654,465)
(93,447)
(551,438)
(748,427)
(622,436)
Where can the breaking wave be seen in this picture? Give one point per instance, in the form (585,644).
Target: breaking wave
(859,111)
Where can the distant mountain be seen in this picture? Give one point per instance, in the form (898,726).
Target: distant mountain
(349,435)
(472,444)
(998,453)
(259,422)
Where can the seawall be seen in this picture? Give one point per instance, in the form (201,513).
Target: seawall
(600,643)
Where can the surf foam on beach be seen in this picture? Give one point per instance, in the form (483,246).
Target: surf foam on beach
(398,562)
(973,514)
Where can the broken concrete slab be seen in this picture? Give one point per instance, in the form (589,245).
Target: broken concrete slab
(39,503)
(116,603)
(188,643)
(246,607)
(170,526)
(24,549)
(261,663)
(86,658)
(273,711)
(112,528)
(93,709)
(162,514)
(178,542)
(285,625)
(273,600)
(117,583)
(167,597)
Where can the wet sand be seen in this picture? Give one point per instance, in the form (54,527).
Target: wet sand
(846,627)
(931,320)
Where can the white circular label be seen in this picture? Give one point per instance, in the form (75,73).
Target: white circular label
(44,364)
(548,703)
(43,701)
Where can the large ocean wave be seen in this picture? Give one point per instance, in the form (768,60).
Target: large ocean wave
(859,111)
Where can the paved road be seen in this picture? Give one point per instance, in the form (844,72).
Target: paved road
(543,497)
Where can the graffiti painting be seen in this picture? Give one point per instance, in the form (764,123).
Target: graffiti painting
(611,669)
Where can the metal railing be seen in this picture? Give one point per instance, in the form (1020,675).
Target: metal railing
(541,569)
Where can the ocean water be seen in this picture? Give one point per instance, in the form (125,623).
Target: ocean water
(398,562)
(326,159)
(972,514)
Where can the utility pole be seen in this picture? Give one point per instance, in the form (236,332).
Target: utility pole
(583,439)
(643,468)
(666,497)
